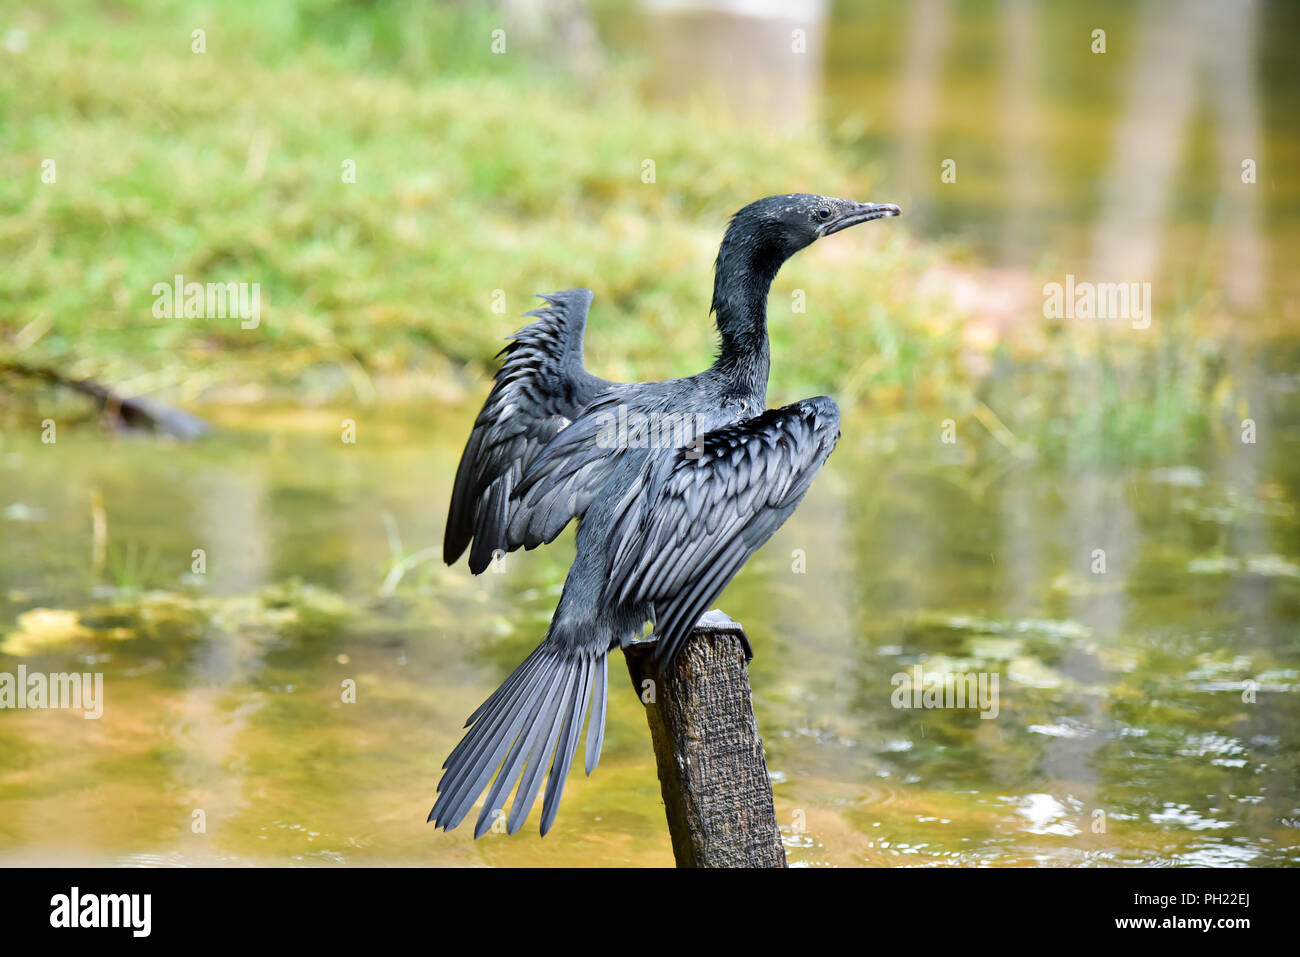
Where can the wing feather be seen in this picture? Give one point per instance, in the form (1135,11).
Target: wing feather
(678,544)
(540,388)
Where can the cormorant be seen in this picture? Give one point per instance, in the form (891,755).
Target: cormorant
(661,531)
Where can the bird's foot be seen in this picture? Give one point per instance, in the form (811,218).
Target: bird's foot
(719,622)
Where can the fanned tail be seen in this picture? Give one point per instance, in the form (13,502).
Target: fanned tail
(533,720)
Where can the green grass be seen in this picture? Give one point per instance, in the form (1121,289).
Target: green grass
(474,173)
(227,167)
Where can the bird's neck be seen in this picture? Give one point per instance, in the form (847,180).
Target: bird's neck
(740,304)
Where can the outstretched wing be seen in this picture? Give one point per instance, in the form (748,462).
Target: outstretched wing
(567,475)
(681,539)
(540,388)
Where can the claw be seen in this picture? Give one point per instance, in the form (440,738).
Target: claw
(718,621)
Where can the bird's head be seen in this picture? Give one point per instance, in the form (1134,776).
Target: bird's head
(780,226)
(769,231)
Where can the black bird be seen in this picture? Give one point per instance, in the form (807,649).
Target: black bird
(661,530)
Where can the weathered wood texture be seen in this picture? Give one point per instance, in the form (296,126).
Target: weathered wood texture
(712,771)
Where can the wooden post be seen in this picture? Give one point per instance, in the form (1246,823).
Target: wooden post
(712,772)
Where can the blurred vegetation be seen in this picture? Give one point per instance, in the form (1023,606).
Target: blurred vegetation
(474,173)
(478,173)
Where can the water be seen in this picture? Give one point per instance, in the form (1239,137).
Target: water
(1138,604)
(1004,129)
(1119,693)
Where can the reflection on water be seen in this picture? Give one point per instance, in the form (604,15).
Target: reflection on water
(1154,152)
(763,59)
(1142,621)
(1125,730)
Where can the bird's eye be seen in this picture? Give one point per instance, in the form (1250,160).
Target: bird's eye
(823,213)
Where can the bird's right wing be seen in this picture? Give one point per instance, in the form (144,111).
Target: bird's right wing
(681,537)
(540,388)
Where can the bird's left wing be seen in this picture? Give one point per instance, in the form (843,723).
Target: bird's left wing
(682,537)
(566,477)
(541,387)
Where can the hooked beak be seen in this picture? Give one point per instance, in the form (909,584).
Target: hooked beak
(861,213)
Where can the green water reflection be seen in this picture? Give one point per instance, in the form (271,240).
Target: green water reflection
(1147,712)
(1119,693)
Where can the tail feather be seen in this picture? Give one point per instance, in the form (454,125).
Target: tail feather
(469,771)
(577,713)
(532,722)
(481,750)
(498,698)
(596,727)
(539,758)
(513,768)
